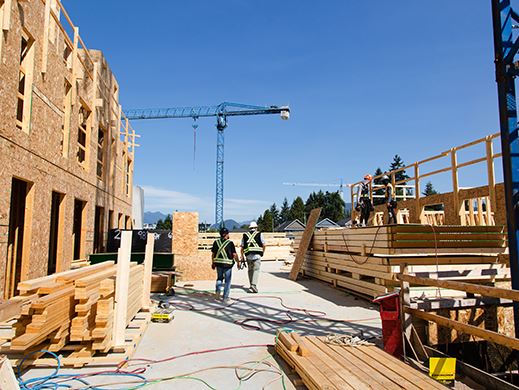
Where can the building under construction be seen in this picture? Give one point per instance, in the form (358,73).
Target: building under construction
(66,158)
(425,302)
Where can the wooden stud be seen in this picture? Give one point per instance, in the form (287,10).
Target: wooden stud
(405,301)
(148,265)
(302,348)
(288,341)
(491,205)
(45,43)
(121,288)
(75,65)
(455,184)
(6,20)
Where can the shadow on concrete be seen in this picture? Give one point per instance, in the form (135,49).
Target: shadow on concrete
(269,313)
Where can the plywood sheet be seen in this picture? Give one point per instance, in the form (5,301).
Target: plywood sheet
(185,233)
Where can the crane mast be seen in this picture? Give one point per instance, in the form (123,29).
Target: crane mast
(221,112)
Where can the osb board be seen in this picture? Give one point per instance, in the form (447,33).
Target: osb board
(38,158)
(185,233)
(195,267)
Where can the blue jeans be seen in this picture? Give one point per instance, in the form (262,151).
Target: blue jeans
(223,273)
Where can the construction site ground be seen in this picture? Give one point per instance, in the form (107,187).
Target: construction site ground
(213,325)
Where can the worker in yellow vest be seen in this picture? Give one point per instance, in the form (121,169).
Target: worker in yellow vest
(390,199)
(252,248)
(223,255)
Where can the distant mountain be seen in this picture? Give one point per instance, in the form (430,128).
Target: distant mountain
(230,224)
(153,216)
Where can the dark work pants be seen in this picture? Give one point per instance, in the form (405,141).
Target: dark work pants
(365,210)
(391,211)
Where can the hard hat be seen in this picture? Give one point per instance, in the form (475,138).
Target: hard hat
(385,179)
(368,177)
(253,225)
(223,232)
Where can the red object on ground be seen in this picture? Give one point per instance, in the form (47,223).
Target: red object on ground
(391,325)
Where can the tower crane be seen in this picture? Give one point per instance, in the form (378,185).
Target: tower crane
(221,112)
(341,186)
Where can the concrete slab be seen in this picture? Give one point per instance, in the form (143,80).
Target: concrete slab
(202,323)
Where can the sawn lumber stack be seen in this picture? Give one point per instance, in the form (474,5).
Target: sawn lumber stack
(366,260)
(328,366)
(71,311)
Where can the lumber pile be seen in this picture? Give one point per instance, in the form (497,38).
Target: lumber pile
(279,246)
(323,365)
(367,260)
(71,311)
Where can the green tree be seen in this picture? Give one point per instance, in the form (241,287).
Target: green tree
(259,221)
(275,214)
(400,175)
(333,206)
(164,224)
(297,209)
(315,200)
(429,189)
(377,200)
(284,214)
(267,222)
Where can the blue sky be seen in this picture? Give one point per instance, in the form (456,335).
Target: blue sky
(364,80)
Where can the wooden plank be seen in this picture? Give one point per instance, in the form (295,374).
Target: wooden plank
(121,288)
(488,335)
(8,380)
(305,242)
(288,341)
(148,266)
(302,348)
(461,286)
(360,366)
(344,373)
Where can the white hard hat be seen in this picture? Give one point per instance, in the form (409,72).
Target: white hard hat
(253,225)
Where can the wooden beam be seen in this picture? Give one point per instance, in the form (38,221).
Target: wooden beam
(488,335)
(6,22)
(462,286)
(405,301)
(455,184)
(121,288)
(45,43)
(148,265)
(491,205)
(305,242)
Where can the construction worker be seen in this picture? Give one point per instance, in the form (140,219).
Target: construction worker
(223,255)
(252,248)
(390,199)
(364,204)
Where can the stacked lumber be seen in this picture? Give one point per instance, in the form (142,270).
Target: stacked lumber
(323,365)
(278,245)
(71,311)
(367,260)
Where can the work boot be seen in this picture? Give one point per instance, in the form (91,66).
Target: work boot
(226,301)
(218,295)
(254,289)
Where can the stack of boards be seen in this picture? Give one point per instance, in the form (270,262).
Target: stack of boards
(278,245)
(322,365)
(73,312)
(366,260)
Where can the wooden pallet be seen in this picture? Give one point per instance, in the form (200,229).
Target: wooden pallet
(324,366)
(81,354)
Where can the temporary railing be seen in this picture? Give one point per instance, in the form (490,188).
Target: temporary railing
(408,192)
(408,311)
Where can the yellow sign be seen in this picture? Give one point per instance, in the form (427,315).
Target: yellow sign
(442,369)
